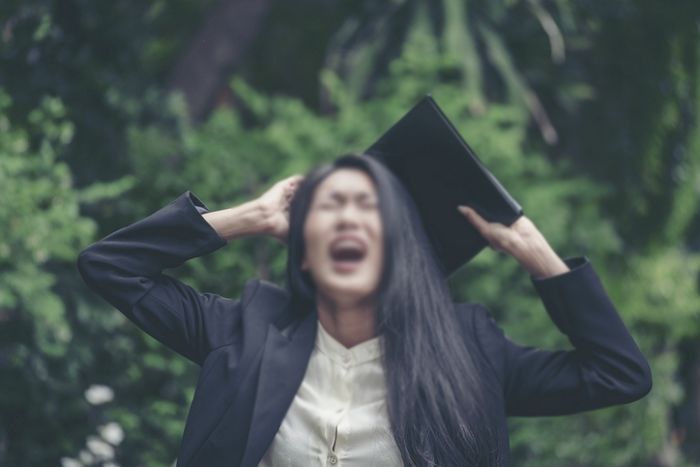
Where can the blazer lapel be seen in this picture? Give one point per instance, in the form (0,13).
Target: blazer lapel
(282,369)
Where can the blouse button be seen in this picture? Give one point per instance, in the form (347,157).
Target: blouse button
(332,459)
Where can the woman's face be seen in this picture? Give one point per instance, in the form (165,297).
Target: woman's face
(344,249)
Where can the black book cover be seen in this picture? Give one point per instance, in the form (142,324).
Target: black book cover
(440,171)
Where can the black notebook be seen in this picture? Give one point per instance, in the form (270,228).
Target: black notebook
(440,171)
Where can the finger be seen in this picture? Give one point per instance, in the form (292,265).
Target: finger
(477,221)
(290,187)
(292,183)
(295,179)
(289,182)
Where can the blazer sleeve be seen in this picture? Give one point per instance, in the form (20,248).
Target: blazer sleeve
(125,268)
(604,368)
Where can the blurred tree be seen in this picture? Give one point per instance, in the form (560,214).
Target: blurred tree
(42,353)
(619,79)
(103,60)
(220,44)
(547,92)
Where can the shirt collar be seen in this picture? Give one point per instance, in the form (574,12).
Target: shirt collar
(363,352)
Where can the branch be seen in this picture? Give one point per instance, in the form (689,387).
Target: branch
(556,38)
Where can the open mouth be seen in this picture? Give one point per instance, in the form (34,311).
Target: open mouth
(347,253)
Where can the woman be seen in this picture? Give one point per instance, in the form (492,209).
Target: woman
(364,360)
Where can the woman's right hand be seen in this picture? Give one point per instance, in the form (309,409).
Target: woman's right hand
(266,215)
(275,204)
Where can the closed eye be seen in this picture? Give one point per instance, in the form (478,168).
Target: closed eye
(336,200)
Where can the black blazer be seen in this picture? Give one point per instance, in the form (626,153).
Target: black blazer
(254,350)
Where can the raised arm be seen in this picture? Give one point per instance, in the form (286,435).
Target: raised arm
(604,368)
(522,240)
(126,268)
(267,215)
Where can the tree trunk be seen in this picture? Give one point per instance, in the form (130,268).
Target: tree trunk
(215,51)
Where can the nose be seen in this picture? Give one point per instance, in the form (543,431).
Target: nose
(348,216)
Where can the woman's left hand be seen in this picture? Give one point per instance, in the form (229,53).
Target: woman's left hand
(522,240)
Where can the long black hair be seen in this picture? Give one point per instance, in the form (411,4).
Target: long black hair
(434,396)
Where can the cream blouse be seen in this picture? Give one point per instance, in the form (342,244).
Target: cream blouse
(338,417)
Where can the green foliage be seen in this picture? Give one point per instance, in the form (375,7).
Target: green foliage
(39,225)
(103,60)
(612,87)
(621,189)
(40,230)
(46,333)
